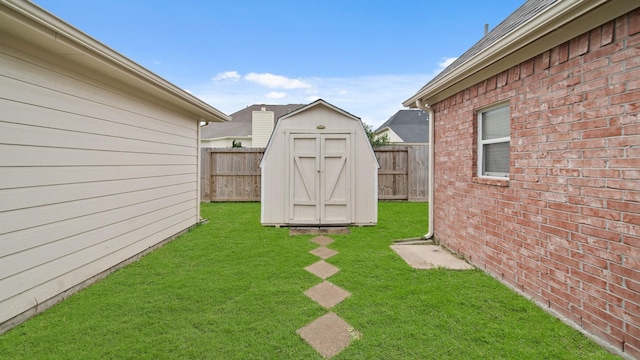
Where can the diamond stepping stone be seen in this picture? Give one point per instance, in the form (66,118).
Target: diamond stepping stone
(322,240)
(322,269)
(327,294)
(323,252)
(329,334)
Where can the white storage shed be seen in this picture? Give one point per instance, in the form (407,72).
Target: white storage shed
(319,170)
(99,160)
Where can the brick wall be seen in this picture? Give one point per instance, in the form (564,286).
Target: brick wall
(565,228)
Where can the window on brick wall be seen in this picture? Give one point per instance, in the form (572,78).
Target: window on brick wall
(493,141)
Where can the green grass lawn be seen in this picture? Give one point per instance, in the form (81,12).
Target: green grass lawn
(232,289)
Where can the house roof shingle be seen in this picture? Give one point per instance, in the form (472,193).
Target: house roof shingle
(524,13)
(535,27)
(240,125)
(411,125)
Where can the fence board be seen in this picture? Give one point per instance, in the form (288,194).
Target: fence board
(205,174)
(418,158)
(393,173)
(233,174)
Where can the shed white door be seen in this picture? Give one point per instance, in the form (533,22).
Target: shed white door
(320,179)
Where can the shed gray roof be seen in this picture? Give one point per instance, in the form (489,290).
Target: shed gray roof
(240,124)
(322,102)
(411,125)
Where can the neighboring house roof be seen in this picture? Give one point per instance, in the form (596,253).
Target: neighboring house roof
(241,121)
(412,126)
(57,36)
(535,27)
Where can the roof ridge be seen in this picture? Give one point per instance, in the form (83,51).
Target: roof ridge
(527,11)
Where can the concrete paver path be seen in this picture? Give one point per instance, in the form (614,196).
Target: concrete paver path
(329,334)
(327,294)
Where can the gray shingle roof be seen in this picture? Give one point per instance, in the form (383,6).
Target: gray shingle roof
(411,125)
(523,14)
(240,125)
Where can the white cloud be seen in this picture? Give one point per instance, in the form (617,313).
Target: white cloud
(373,98)
(276,81)
(227,75)
(443,65)
(446,62)
(276,95)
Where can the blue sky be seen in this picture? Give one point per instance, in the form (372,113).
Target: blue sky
(365,57)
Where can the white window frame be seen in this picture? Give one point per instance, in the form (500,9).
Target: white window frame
(482,142)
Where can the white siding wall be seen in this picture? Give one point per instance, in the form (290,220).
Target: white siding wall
(89,177)
(261,127)
(393,137)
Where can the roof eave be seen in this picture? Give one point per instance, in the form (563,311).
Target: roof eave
(57,35)
(554,26)
(317,103)
(381,130)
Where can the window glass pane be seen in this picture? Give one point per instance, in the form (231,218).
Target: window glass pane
(496,158)
(495,123)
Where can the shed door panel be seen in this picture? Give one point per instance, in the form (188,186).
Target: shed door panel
(320,179)
(304,175)
(335,179)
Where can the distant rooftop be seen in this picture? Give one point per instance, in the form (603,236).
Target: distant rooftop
(411,125)
(525,13)
(240,125)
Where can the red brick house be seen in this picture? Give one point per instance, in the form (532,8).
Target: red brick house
(536,161)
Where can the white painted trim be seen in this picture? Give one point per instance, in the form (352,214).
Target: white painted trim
(481,142)
(431,175)
(26,20)
(316,103)
(198,177)
(559,23)
(392,135)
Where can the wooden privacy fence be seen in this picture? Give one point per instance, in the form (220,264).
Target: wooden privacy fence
(403,172)
(233,174)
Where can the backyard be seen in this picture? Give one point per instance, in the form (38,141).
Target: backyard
(232,289)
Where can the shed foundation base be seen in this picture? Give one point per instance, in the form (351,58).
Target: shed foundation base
(318,230)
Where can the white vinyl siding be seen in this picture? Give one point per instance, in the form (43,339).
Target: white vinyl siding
(261,128)
(393,137)
(90,176)
(494,141)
